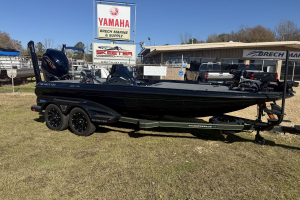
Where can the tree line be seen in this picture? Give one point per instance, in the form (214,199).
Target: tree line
(285,30)
(41,48)
(7,42)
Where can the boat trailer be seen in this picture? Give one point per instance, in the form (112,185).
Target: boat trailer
(104,115)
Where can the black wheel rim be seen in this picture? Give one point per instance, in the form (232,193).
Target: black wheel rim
(54,117)
(79,122)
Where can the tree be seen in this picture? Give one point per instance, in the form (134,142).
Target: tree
(225,37)
(48,43)
(78,54)
(241,35)
(244,34)
(192,41)
(7,42)
(212,38)
(260,34)
(184,39)
(286,30)
(89,53)
(39,48)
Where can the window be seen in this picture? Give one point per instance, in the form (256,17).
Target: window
(236,61)
(258,64)
(270,66)
(225,62)
(265,65)
(216,67)
(203,67)
(209,66)
(203,60)
(247,67)
(297,71)
(194,66)
(290,70)
(195,59)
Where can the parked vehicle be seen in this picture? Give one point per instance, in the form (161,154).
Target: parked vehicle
(207,72)
(250,72)
(249,77)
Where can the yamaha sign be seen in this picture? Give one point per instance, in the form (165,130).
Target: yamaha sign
(113,22)
(269,54)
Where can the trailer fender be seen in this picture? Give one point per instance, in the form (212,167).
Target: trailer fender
(97,113)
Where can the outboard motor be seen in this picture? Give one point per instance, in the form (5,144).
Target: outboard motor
(55,65)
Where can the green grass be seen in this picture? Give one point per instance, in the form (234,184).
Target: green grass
(118,162)
(19,88)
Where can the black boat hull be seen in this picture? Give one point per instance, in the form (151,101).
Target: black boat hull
(143,100)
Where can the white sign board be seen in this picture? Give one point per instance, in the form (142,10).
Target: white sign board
(113,22)
(114,53)
(11,73)
(155,71)
(269,54)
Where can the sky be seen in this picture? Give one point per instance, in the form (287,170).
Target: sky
(71,21)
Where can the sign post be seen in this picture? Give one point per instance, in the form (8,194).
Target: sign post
(181,64)
(12,74)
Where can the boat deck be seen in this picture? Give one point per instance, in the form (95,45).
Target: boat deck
(173,85)
(193,87)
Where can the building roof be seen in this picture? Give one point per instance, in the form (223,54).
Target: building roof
(9,52)
(152,50)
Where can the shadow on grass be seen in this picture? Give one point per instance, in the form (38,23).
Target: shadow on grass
(212,135)
(41,119)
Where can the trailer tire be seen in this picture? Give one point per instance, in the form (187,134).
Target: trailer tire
(55,119)
(80,123)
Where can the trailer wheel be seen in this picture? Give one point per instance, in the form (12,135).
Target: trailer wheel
(55,119)
(80,123)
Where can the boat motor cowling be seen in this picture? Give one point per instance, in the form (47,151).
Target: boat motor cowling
(55,65)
